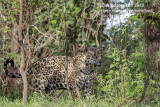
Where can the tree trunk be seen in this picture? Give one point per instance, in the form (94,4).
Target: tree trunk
(22,65)
(152,40)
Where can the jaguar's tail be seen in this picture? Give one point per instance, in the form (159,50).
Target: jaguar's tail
(10,74)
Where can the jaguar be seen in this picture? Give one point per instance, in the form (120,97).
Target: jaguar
(48,74)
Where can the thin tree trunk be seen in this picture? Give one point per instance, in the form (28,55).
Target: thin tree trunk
(22,65)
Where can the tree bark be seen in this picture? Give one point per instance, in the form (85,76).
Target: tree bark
(22,64)
(152,41)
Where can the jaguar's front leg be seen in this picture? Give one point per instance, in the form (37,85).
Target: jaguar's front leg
(76,91)
(88,86)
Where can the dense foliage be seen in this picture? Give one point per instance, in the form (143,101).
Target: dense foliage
(49,24)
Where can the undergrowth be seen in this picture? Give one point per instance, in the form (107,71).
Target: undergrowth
(35,100)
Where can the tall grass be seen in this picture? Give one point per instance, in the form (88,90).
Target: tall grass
(35,100)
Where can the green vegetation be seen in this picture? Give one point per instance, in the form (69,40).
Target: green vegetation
(65,101)
(127,69)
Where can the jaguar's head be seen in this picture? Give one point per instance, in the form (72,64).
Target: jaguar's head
(93,57)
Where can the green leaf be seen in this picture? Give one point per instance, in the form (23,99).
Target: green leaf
(111,72)
(117,59)
(111,65)
(93,44)
(123,31)
(70,3)
(53,22)
(117,72)
(153,23)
